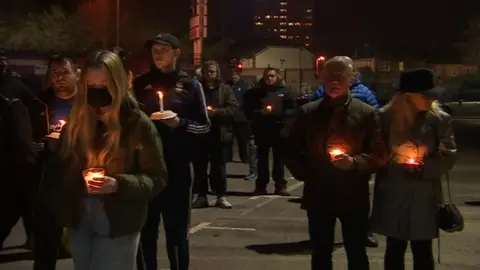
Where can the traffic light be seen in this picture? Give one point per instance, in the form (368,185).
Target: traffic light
(239,68)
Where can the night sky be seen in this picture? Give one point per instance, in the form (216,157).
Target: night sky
(399,26)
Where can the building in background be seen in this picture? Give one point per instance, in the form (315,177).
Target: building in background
(295,64)
(287,19)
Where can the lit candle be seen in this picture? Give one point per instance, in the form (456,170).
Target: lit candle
(412,162)
(62,123)
(334,152)
(92,173)
(160,100)
(269,107)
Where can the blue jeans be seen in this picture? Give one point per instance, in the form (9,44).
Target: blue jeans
(91,246)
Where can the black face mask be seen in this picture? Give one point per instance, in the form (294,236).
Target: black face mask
(98,96)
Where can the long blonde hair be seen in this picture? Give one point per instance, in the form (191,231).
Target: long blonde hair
(82,125)
(403,113)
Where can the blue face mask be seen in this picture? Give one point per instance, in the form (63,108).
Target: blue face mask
(98,96)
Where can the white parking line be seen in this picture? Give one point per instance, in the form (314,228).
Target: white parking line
(269,200)
(200,226)
(230,228)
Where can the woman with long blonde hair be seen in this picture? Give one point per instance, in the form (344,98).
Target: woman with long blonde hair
(407,192)
(111,165)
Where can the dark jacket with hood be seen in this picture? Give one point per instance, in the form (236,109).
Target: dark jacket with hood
(239,89)
(225,106)
(16,148)
(267,125)
(12,88)
(347,123)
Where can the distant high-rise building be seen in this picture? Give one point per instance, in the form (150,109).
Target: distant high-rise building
(287,19)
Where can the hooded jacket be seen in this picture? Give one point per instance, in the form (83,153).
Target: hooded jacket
(358,90)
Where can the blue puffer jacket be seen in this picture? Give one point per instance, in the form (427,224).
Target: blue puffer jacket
(358,91)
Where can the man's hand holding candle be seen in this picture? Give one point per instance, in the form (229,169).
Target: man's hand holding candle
(171,122)
(413,165)
(210,111)
(268,108)
(344,162)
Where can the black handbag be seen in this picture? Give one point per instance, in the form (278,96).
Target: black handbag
(449,218)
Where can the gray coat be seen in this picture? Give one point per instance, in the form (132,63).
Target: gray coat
(405,206)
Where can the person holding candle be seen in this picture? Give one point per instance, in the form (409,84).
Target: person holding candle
(185,97)
(213,149)
(58,98)
(408,191)
(269,105)
(334,144)
(105,130)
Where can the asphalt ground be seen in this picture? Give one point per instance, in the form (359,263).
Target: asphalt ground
(270,232)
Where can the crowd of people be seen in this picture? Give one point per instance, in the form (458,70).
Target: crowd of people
(85,160)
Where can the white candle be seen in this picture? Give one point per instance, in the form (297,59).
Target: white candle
(160,99)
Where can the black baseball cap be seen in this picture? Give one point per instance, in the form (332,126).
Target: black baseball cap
(163,38)
(123,54)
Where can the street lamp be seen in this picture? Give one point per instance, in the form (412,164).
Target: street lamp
(118,25)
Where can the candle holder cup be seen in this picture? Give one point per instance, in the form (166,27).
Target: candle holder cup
(92,173)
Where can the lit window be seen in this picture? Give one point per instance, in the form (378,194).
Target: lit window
(290,37)
(283,36)
(275,30)
(307,44)
(290,23)
(267,16)
(309,10)
(283,17)
(297,23)
(307,37)
(275,17)
(283,10)
(283,30)
(283,3)
(283,23)
(258,23)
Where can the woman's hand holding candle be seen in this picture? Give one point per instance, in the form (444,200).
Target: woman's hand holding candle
(103,185)
(98,183)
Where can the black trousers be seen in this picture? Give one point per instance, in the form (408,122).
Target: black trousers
(321,227)
(215,153)
(278,171)
(421,250)
(15,203)
(174,205)
(47,239)
(241,134)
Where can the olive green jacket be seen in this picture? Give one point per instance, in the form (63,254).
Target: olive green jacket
(138,166)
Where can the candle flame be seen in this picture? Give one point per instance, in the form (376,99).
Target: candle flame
(336,152)
(269,107)
(160,94)
(411,161)
(62,123)
(209,108)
